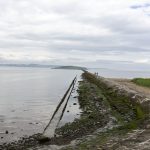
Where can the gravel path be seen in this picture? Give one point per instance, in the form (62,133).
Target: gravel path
(126,82)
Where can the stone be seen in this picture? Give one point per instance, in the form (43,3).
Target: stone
(43,139)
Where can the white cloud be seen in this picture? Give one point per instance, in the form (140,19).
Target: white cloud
(143,61)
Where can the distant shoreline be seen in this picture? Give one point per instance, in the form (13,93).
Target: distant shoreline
(44,66)
(71,68)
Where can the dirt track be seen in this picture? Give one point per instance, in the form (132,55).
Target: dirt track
(142,90)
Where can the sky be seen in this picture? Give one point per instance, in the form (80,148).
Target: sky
(90,33)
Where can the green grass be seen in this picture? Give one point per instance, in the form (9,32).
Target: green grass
(142,81)
(123,108)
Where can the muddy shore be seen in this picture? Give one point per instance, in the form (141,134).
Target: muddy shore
(110,112)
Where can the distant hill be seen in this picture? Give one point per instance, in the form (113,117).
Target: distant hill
(71,67)
(28,65)
(44,66)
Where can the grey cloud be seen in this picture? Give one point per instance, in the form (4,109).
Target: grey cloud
(146,5)
(86,43)
(59,28)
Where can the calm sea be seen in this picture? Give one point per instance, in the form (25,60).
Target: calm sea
(28,97)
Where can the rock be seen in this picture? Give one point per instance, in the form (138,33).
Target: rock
(6,131)
(75,97)
(91,117)
(148,126)
(43,139)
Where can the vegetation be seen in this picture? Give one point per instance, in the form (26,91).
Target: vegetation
(123,108)
(142,81)
(95,96)
(71,67)
(92,117)
(99,140)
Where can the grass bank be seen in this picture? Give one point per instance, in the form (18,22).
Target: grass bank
(99,102)
(95,113)
(142,81)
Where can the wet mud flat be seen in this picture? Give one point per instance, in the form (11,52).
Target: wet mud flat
(110,117)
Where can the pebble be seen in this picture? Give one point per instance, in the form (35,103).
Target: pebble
(148,126)
(75,97)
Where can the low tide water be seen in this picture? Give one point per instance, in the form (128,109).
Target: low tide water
(28,98)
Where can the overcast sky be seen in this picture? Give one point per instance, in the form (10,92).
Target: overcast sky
(92,33)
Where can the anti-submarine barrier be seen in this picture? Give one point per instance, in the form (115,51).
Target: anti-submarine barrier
(49,131)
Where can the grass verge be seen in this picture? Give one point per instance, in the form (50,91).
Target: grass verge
(142,81)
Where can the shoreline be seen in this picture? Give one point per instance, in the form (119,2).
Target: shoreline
(99,104)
